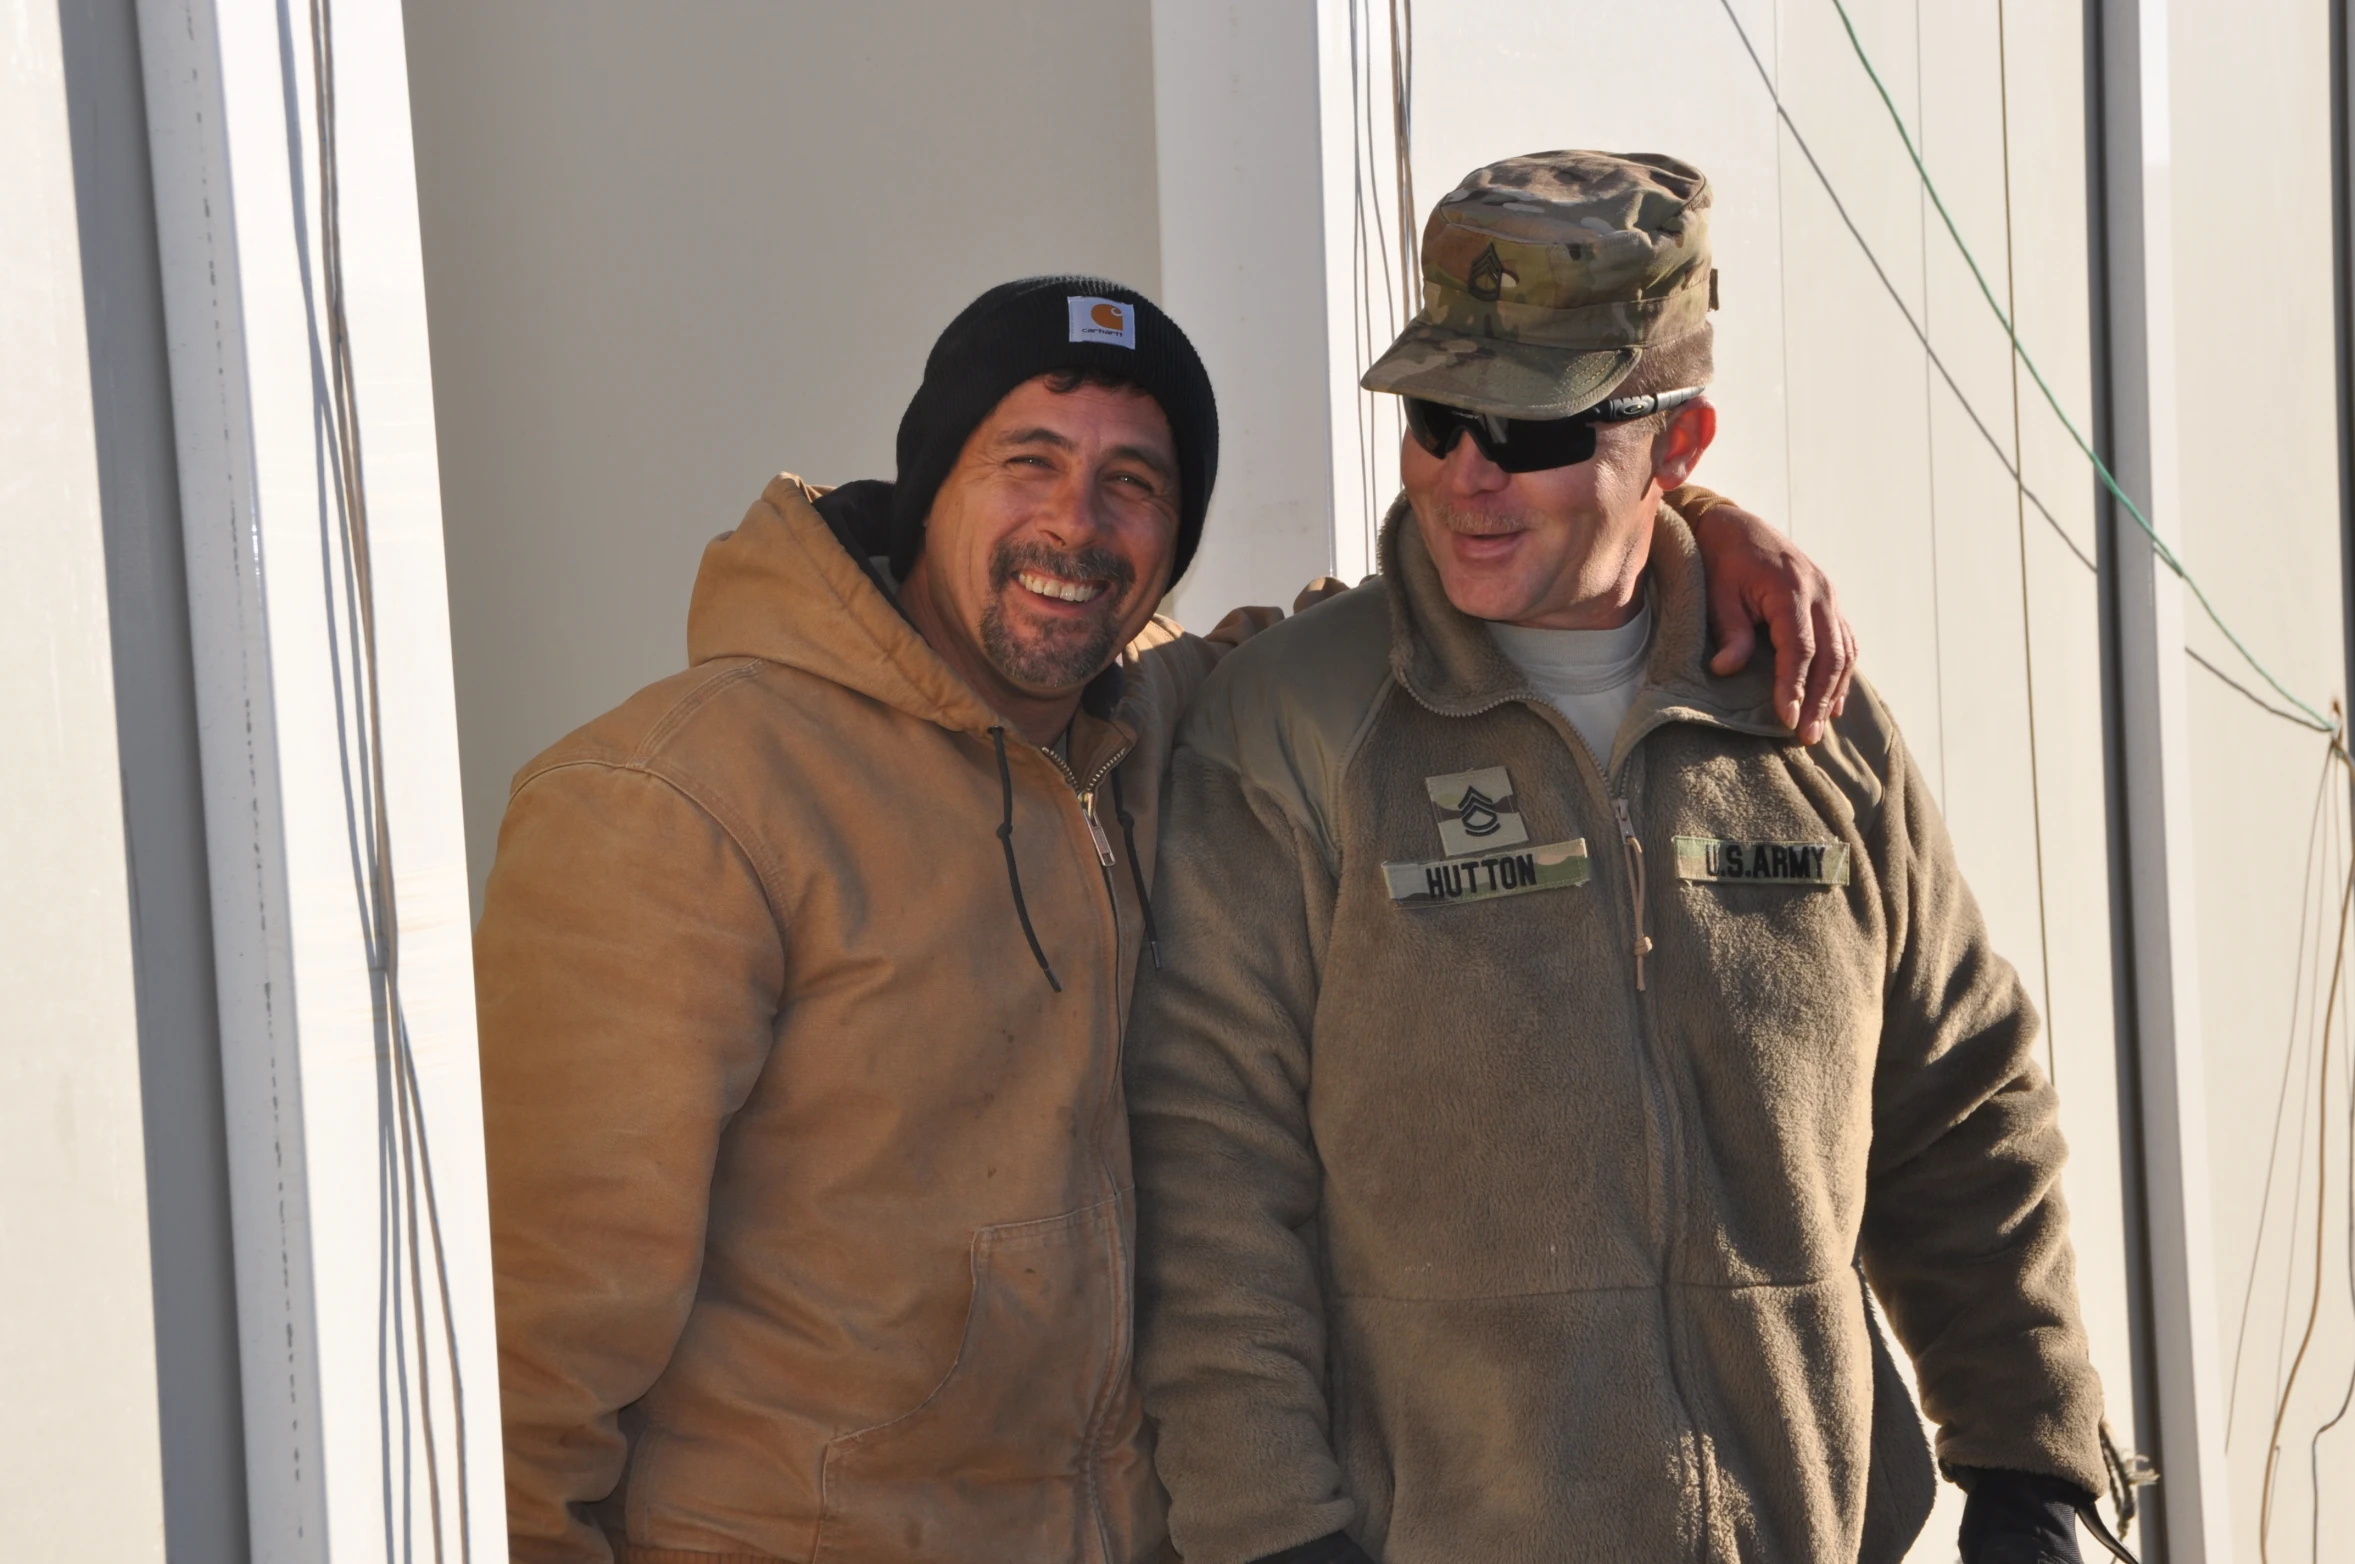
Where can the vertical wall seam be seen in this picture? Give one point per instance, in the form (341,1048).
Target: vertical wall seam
(2125,979)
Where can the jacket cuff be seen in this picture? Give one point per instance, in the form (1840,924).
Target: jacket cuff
(1339,1548)
(2019,1517)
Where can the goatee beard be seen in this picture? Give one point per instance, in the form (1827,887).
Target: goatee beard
(1054,656)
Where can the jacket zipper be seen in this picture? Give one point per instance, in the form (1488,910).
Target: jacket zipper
(1671,1128)
(1085,792)
(1087,808)
(1123,1360)
(1632,852)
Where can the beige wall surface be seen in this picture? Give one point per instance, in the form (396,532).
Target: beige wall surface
(78,1353)
(671,249)
(2261,529)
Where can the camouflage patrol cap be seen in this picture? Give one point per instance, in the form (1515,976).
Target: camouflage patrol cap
(1545,276)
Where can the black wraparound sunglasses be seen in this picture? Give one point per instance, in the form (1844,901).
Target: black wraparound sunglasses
(1531,444)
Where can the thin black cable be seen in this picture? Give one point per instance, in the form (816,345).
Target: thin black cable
(2281,1410)
(1374,196)
(417,1160)
(1361,320)
(1930,506)
(2346,1397)
(2289,1263)
(2003,72)
(2282,1094)
(2247,694)
(1402,96)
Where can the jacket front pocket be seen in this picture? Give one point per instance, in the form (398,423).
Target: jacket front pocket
(994,1463)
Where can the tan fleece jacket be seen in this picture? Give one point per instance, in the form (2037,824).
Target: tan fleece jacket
(810,1199)
(1502,1177)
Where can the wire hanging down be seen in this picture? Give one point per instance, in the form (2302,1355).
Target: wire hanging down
(1920,332)
(2313,718)
(2281,1405)
(405,1152)
(1386,272)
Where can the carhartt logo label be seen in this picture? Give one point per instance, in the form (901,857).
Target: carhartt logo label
(1102,320)
(1476,811)
(1739,861)
(1514,872)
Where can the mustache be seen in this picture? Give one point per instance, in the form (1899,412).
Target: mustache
(1480,523)
(1082,564)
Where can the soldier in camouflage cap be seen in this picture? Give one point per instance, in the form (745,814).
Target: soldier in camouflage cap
(1546,276)
(1547,1033)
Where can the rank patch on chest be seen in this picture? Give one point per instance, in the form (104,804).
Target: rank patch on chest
(1514,871)
(1730,860)
(1477,811)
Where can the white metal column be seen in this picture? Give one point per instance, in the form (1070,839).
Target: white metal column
(1251,114)
(2190,1413)
(354,1364)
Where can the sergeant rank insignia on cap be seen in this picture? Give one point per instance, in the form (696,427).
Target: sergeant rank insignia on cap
(1727,860)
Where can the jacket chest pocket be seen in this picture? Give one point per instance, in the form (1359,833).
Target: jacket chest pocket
(1767,914)
(1002,1458)
(1772,974)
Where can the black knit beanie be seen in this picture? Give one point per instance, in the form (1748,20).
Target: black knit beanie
(1020,330)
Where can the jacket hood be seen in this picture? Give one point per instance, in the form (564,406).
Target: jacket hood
(786,588)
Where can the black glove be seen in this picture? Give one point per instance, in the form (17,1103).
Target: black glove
(1339,1548)
(2019,1517)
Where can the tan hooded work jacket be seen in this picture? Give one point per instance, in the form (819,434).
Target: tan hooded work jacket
(1510,1119)
(810,1197)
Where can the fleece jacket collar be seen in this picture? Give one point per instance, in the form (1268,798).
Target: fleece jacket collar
(1447,660)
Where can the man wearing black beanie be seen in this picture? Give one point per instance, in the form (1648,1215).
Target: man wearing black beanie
(804,975)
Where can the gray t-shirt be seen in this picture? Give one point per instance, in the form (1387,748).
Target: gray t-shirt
(1590,676)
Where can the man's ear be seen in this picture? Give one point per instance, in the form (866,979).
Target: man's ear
(1677,450)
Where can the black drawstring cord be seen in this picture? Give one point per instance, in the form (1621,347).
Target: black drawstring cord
(1136,869)
(1013,874)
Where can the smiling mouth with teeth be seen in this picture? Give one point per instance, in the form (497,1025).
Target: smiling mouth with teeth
(1055,587)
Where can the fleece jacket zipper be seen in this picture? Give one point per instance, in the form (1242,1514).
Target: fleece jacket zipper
(1620,792)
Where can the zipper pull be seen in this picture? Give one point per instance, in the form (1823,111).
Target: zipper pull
(1635,875)
(1087,809)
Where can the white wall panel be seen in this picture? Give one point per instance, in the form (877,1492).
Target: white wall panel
(78,1351)
(2262,530)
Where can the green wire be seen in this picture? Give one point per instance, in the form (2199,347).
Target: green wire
(2159,546)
